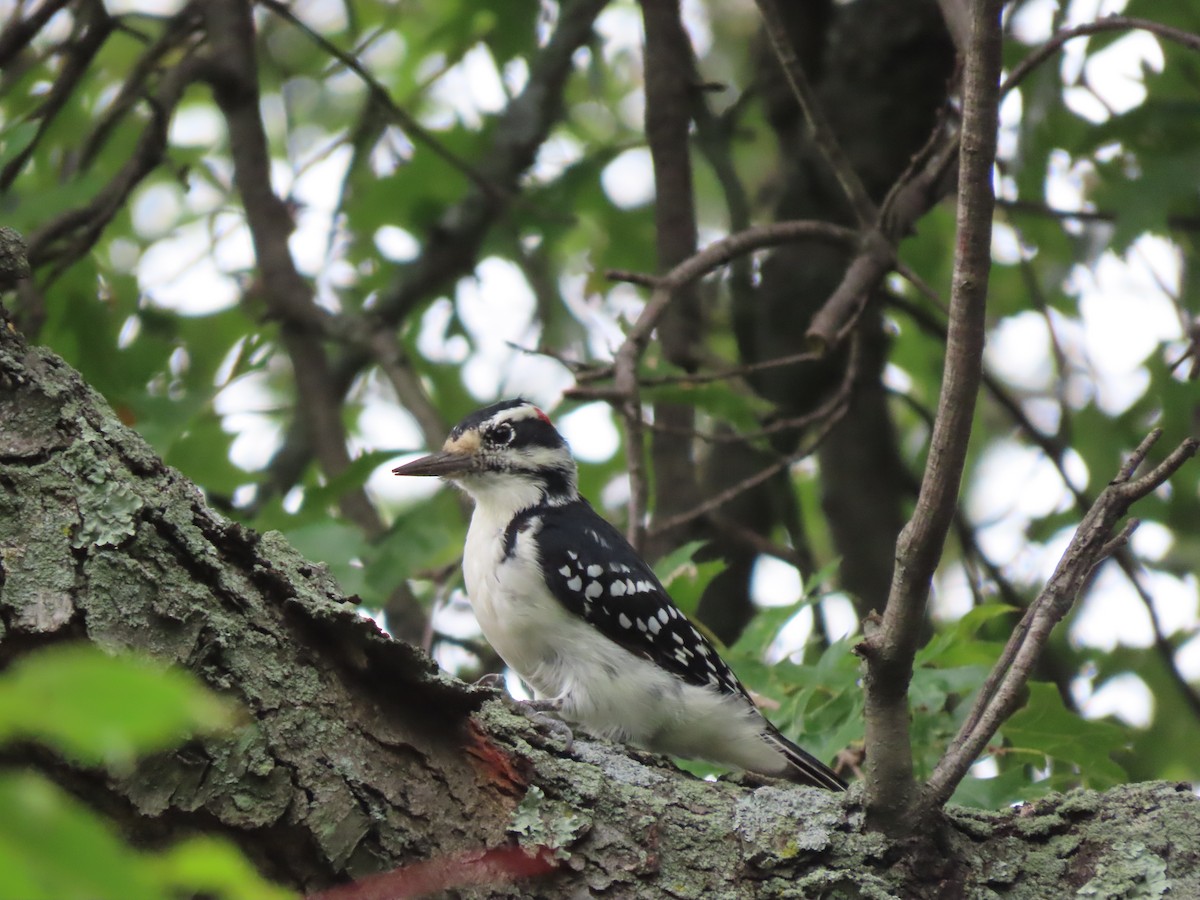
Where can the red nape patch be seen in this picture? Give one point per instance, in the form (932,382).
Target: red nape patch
(541,415)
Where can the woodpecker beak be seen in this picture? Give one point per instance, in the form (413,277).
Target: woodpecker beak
(444,463)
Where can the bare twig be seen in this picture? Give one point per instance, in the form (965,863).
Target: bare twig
(819,128)
(1111,23)
(720,253)
(414,129)
(889,651)
(625,381)
(828,415)
(913,194)
(1093,542)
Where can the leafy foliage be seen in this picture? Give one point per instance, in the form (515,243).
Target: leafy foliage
(103,710)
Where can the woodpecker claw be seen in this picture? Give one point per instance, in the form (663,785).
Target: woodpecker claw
(493,680)
(544,714)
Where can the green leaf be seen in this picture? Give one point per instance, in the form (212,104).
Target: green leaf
(685,578)
(98,708)
(338,544)
(957,643)
(14,139)
(1044,727)
(1163,749)
(765,627)
(52,847)
(212,867)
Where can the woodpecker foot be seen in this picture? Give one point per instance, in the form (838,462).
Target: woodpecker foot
(544,714)
(493,680)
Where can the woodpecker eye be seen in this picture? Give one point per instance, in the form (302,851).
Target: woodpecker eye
(501,434)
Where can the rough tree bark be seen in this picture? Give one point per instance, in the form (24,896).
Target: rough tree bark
(358,755)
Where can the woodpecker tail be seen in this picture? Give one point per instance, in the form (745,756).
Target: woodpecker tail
(803,767)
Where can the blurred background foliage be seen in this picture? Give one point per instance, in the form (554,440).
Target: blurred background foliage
(458,178)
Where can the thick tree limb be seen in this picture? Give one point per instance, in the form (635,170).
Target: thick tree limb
(668,63)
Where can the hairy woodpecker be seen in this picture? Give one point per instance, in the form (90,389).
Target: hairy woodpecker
(581,618)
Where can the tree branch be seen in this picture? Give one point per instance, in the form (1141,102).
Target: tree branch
(1092,544)
(890,650)
(233,74)
(413,128)
(1111,23)
(819,128)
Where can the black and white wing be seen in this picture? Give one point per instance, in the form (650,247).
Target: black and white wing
(591,569)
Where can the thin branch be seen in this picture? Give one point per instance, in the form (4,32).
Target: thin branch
(1111,23)
(889,651)
(829,414)
(735,531)
(18,32)
(170,42)
(917,190)
(1055,450)
(92,27)
(1176,222)
(820,131)
(716,501)
(73,233)
(722,252)
(1162,645)
(924,183)
(398,369)
(1092,543)
(413,128)
(625,389)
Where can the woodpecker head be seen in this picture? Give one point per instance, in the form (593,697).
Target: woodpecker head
(508,451)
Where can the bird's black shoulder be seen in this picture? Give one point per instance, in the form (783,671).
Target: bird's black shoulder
(593,571)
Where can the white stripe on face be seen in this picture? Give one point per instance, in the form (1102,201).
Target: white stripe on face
(516,414)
